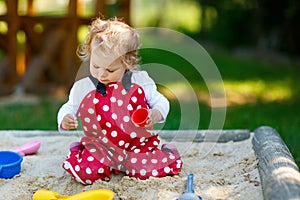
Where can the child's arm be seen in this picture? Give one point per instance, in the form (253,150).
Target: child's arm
(158,103)
(66,119)
(154,117)
(69,122)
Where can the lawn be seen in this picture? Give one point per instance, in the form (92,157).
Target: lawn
(258,93)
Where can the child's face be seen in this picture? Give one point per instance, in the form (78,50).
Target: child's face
(105,70)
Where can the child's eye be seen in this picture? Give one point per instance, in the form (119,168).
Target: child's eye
(96,67)
(110,71)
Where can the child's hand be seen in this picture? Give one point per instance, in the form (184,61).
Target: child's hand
(69,122)
(154,117)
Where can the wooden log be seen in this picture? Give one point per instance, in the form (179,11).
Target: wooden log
(204,135)
(279,174)
(178,135)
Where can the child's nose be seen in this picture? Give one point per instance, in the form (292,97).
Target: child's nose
(102,74)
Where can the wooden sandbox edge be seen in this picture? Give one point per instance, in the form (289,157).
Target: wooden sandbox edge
(278,171)
(220,136)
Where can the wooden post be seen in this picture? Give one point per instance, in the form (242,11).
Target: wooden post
(124,10)
(13,27)
(71,44)
(278,171)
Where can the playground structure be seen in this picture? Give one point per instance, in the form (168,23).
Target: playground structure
(46,57)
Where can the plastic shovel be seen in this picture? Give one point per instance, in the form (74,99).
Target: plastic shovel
(28,148)
(189,193)
(102,194)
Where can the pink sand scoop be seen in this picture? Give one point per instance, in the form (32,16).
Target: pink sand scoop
(28,148)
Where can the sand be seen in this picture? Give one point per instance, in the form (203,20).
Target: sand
(221,171)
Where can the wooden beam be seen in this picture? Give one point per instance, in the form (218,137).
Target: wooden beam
(278,171)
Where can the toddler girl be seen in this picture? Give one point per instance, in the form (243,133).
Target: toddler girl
(105,101)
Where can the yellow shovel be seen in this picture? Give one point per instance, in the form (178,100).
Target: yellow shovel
(102,194)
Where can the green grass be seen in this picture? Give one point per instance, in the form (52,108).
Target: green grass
(258,94)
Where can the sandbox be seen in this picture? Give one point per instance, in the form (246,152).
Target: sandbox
(227,164)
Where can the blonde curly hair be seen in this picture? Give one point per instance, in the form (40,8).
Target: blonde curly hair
(112,37)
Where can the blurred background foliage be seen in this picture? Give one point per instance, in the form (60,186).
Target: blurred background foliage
(254,43)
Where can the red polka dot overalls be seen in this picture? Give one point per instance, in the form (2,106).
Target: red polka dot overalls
(112,143)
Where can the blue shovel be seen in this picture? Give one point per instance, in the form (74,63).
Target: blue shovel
(189,193)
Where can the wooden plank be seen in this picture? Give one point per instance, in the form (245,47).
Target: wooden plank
(177,135)
(278,171)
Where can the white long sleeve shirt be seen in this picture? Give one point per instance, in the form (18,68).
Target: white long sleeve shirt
(83,86)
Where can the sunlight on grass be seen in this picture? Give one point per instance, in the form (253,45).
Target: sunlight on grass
(237,92)
(244,92)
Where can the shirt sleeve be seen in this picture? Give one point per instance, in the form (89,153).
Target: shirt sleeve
(77,93)
(154,98)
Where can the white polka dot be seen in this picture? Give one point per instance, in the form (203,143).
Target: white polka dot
(123,92)
(92,150)
(91,110)
(108,124)
(110,153)
(120,102)
(140,91)
(89,182)
(126,119)
(178,165)
(105,108)
(154,161)
(95,133)
(116,86)
(105,140)
(133,135)
(133,147)
(172,157)
(127,145)
(143,172)
(98,118)
(90,158)
(127,172)
(142,139)
(120,158)
(129,107)
(144,161)
(137,151)
(113,99)
(133,172)
(85,128)
(88,170)
(134,99)
(122,126)
(167,169)
(95,100)
(102,160)
(164,160)
(121,142)
(89,96)
(77,168)
(114,134)
(114,116)
(133,160)
(82,105)
(87,120)
(104,131)
(154,172)
(138,107)
(101,170)
(155,143)
(95,126)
